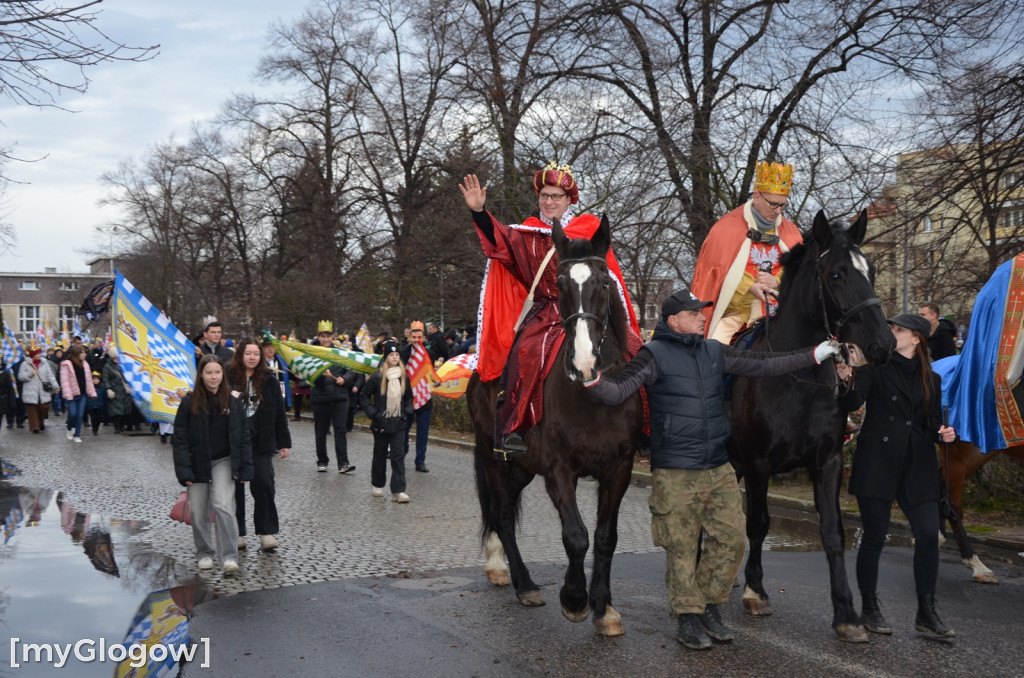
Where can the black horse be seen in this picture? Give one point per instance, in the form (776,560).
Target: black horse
(783,423)
(577,436)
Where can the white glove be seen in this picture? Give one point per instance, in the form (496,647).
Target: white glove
(826,349)
(111,394)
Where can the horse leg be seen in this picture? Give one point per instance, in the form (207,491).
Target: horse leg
(964,461)
(612,488)
(495,568)
(561,487)
(499,486)
(755,599)
(827,482)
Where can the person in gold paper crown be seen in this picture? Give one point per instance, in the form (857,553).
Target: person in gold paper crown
(738,267)
(521,359)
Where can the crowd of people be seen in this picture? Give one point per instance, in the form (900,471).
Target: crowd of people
(231,426)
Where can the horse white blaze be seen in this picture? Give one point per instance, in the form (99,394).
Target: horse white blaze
(583,358)
(861,264)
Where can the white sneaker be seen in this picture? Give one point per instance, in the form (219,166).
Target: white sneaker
(206,563)
(69,434)
(376,491)
(401,498)
(241,544)
(267,542)
(77,439)
(230,567)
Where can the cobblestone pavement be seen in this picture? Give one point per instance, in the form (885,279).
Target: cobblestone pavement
(331,527)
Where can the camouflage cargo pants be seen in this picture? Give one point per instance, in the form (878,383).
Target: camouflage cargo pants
(683,501)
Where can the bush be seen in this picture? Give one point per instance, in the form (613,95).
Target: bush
(451,415)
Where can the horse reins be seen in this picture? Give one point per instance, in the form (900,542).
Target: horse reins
(583,315)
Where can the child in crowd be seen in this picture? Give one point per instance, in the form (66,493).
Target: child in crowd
(387,401)
(96,406)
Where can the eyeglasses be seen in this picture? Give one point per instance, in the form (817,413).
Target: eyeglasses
(773,205)
(551,197)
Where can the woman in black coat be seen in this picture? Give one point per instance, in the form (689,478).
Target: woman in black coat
(211,452)
(260,391)
(895,460)
(387,401)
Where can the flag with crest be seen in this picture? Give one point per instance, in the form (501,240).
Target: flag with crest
(157,361)
(363,339)
(453,376)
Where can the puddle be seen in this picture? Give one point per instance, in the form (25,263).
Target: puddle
(791,531)
(68,576)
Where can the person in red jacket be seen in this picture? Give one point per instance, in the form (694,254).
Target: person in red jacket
(521,353)
(738,266)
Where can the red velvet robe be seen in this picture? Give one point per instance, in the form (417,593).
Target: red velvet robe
(520,250)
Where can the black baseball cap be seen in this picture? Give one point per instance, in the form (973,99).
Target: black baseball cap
(681,300)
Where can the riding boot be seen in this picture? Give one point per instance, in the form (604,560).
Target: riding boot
(871,615)
(928,618)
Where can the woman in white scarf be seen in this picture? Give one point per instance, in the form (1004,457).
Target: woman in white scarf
(387,401)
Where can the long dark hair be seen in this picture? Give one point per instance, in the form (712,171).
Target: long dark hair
(921,353)
(236,369)
(76,351)
(202,399)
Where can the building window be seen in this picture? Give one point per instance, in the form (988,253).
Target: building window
(28,285)
(67,315)
(69,285)
(926,224)
(1012,180)
(1013,218)
(28,318)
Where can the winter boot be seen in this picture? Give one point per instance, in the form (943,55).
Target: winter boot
(928,619)
(691,632)
(871,615)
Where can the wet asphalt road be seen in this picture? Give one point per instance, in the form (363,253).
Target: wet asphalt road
(365,587)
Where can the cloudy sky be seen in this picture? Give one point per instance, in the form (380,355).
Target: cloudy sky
(208,50)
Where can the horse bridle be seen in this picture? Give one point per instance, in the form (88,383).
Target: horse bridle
(850,312)
(583,315)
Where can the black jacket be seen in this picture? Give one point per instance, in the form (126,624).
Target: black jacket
(942,343)
(375,404)
(268,428)
(326,390)
(191,443)
(897,441)
(684,377)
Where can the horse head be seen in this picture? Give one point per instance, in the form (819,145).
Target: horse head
(584,298)
(846,281)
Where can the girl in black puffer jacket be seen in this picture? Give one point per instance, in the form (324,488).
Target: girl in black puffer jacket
(387,401)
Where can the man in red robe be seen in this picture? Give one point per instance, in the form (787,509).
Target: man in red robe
(522,357)
(738,266)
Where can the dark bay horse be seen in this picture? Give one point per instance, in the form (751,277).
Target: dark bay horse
(793,421)
(965,459)
(577,436)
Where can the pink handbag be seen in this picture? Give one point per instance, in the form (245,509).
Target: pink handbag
(182,509)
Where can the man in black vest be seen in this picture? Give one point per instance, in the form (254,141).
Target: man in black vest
(694,485)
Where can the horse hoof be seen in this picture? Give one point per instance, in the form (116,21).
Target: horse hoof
(851,633)
(576,617)
(499,577)
(755,604)
(610,625)
(986,578)
(531,598)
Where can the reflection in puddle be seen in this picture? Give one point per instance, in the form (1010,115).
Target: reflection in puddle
(69,576)
(791,531)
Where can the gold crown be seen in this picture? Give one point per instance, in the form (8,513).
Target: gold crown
(325,326)
(773,177)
